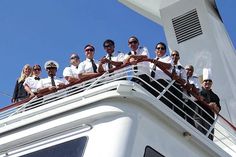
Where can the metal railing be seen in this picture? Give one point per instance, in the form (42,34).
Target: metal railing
(224,134)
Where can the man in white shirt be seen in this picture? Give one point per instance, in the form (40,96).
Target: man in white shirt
(178,70)
(89,67)
(111,60)
(160,78)
(192,108)
(51,83)
(193,80)
(141,69)
(157,74)
(71,73)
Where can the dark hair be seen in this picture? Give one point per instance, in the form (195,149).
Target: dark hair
(108,41)
(175,51)
(161,43)
(36,65)
(134,37)
(89,45)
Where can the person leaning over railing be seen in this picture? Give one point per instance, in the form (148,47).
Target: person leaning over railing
(178,98)
(89,67)
(160,78)
(52,82)
(112,59)
(71,73)
(207,115)
(191,109)
(141,69)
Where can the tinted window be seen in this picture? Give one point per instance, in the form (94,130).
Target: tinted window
(150,152)
(74,148)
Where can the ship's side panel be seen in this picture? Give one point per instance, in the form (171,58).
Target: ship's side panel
(116,123)
(158,133)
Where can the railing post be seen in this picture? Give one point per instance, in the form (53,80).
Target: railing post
(212,126)
(165,89)
(97,80)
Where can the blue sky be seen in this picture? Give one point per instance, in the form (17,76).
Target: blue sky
(34,31)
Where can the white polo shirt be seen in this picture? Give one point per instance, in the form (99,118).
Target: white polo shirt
(86,66)
(159,74)
(71,71)
(46,82)
(32,83)
(143,67)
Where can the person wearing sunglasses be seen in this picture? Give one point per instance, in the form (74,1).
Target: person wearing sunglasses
(71,73)
(207,113)
(112,59)
(141,69)
(31,83)
(192,79)
(89,67)
(191,109)
(179,72)
(159,78)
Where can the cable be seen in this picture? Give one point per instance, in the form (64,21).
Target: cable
(5,94)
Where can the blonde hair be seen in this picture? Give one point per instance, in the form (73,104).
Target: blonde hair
(23,76)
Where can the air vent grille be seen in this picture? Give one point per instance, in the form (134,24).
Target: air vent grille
(187,26)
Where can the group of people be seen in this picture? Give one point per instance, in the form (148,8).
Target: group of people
(163,69)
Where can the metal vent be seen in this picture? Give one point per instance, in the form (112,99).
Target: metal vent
(187,26)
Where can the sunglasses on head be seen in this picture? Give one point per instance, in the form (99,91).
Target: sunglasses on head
(133,42)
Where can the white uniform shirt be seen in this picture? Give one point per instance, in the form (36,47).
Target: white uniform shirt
(116,57)
(46,82)
(32,83)
(71,71)
(159,74)
(195,81)
(180,71)
(143,67)
(86,66)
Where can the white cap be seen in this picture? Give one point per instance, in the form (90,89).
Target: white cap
(207,74)
(51,64)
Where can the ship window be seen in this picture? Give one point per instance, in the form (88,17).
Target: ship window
(74,148)
(150,152)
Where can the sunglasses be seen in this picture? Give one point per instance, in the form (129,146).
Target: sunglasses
(108,46)
(207,80)
(189,69)
(160,48)
(37,69)
(51,68)
(74,58)
(175,55)
(133,42)
(89,49)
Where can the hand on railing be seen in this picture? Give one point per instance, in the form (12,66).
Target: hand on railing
(213,106)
